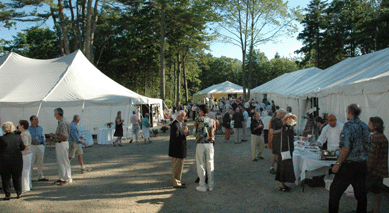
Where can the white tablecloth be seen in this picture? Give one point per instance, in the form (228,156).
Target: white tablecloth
(87,134)
(105,136)
(307,165)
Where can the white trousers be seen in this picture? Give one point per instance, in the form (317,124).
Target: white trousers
(135,130)
(38,152)
(26,173)
(62,151)
(146,132)
(205,163)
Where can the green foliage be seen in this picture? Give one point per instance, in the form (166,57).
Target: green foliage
(36,43)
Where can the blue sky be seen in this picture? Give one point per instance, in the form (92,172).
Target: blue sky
(285,47)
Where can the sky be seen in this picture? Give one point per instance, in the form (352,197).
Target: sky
(285,46)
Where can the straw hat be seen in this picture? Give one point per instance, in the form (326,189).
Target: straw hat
(289,115)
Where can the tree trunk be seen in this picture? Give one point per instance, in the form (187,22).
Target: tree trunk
(186,83)
(58,29)
(162,53)
(178,79)
(87,36)
(74,30)
(63,27)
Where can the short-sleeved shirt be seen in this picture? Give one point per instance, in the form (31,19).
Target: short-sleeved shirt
(37,132)
(356,136)
(26,137)
(203,126)
(377,163)
(62,128)
(74,132)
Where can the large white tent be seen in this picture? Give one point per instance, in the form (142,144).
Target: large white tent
(36,87)
(218,90)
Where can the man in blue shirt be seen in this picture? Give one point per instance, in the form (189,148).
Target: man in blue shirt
(75,141)
(38,142)
(351,167)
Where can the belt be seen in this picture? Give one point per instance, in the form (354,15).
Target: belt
(205,142)
(60,141)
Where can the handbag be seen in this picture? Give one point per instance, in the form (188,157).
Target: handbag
(285,155)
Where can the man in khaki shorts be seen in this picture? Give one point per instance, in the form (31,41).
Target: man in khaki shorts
(75,141)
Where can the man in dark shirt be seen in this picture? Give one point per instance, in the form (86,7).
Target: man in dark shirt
(257,143)
(276,125)
(238,125)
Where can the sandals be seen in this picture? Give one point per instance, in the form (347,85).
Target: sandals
(284,189)
(7,198)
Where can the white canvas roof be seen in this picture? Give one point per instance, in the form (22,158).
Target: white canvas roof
(62,81)
(226,87)
(283,84)
(35,87)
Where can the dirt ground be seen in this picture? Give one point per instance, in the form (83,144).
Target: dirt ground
(137,178)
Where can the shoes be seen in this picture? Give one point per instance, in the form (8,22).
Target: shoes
(210,189)
(131,141)
(201,188)
(272,171)
(63,183)
(86,170)
(260,157)
(18,197)
(43,179)
(58,182)
(120,144)
(255,159)
(7,198)
(180,187)
(285,189)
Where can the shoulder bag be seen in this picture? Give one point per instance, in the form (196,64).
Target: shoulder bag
(285,155)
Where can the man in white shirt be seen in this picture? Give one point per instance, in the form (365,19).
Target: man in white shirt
(331,134)
(246,118)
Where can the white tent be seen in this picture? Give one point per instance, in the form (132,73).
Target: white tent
(283,91)
(218,90)
(36,87)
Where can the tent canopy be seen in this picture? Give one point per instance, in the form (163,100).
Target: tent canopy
(33,86)
(218,90)
(61,81)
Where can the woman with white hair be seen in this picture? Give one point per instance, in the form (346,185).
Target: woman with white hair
(145,126)
(27,155)
(11,160)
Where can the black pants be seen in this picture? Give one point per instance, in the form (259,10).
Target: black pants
(188,115)
(14,171)
(265,136)
(353,173)
(194,115)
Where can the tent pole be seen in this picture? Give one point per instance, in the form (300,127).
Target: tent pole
(39,109)
(82,110)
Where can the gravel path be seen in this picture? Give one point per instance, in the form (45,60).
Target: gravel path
(137,178)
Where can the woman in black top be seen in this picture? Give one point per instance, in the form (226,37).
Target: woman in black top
(11,160)
(285,171)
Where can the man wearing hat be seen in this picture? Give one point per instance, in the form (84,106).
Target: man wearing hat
(331,134)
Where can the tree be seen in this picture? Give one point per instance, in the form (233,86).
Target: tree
(78,28)
(255,22)
(312,35)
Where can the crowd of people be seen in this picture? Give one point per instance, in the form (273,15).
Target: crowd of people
(363,148)
(24,147)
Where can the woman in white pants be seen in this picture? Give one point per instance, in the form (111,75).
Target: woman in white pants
(145,126)
(27,156)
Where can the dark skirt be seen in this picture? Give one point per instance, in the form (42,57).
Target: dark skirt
(285,171)
(118,131)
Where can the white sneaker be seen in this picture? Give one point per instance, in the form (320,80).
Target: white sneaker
(210,189)
(201,188)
